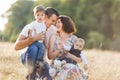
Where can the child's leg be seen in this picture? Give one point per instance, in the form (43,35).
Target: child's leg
(41,51)
(28,57)
(23,58)
(31,58)
(32,53)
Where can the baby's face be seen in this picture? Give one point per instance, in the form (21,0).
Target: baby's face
(78,45)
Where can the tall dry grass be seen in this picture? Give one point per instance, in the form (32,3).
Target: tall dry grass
(103,65)
(10,66)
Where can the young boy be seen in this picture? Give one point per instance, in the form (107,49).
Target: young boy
(37,26)
(34,27)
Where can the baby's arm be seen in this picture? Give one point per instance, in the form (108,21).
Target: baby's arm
(84,59)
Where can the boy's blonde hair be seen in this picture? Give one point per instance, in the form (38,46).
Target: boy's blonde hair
(39,8)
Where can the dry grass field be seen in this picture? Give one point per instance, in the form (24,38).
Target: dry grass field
(103,65)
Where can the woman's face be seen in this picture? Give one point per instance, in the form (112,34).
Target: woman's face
(59,25)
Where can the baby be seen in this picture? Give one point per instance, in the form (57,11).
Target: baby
(76,50)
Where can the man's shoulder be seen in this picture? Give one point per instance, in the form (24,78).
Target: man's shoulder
(54,35)
(52,28)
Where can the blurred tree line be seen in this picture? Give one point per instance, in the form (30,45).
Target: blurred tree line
(97,21)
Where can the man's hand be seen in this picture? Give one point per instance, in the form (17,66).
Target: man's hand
(39,36)
(36,36)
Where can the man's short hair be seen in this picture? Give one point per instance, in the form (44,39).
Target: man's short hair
(49,11)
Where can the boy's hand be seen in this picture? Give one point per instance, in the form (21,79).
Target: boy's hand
(34,32)
(29,33)
(36,36)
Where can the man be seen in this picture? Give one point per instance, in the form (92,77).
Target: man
(51,16)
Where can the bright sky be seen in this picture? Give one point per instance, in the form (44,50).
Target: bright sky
(4,6)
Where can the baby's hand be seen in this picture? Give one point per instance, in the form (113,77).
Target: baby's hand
(85,67)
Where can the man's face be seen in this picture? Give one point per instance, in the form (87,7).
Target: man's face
(51,20)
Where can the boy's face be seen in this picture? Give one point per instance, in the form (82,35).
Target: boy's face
(39,16)
(51,20)
(78,45)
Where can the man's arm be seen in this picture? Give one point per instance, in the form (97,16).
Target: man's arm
(23,41)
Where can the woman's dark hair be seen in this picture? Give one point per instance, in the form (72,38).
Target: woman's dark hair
(68,24)
(49,11)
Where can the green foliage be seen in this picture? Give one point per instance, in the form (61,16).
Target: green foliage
(3,36)
(102,16)
(13,38)
(94,40)
(116,17)
(21,12)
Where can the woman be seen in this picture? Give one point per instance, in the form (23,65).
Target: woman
(64,36)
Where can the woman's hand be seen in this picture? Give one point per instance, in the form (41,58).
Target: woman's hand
(59,45)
